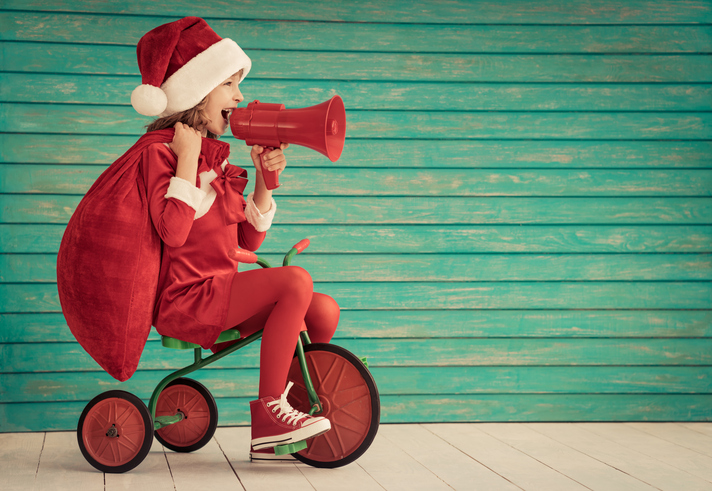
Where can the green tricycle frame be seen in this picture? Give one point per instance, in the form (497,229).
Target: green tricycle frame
(116,429)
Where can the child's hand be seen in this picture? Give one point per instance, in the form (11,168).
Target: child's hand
(272,161)
(186,142)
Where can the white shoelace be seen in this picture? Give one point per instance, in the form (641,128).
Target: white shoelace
(286,412)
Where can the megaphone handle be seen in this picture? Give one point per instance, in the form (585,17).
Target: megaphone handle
(271,177)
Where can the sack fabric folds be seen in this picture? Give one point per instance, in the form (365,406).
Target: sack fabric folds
(108,264)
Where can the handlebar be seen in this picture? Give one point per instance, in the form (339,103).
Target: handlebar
(248,257)
(242,256)
(296,249)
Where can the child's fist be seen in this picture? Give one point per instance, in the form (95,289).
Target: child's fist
(186,141)
(270,160)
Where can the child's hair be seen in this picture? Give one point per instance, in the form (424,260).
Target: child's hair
(195,117)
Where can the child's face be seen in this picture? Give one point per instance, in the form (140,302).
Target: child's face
(221,101)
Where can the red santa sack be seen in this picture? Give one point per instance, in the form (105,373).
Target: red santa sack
(108,264)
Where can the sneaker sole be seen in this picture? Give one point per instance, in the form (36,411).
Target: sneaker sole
(271,458)
(310,431)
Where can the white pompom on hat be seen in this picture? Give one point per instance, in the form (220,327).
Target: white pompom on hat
(182,62)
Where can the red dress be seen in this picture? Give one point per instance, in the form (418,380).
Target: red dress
(198,225)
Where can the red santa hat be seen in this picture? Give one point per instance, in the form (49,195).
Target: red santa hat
(180,63)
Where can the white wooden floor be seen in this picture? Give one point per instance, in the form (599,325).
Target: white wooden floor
(510,456)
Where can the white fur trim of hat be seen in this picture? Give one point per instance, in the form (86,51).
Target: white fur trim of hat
(197,78)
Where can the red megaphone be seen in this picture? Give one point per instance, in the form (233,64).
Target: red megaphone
(321,128)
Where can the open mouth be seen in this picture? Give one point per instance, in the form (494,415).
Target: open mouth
(226,115)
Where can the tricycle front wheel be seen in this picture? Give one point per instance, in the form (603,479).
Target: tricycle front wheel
(350,402)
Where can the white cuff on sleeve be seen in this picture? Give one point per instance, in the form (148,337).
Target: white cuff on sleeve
(185,192)
(261,222)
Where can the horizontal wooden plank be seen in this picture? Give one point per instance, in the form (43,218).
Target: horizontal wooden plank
(331,36)
(324,65)
(122,120)
(378,324)
(70,357)
(20,417)
(470,154)
(425,210)
(432,239)
(420,11)
(423,96)
(41,268)
(434,381)
(554,408)
(42,297)
(77,179)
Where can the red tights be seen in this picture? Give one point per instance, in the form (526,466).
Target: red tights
(280,300)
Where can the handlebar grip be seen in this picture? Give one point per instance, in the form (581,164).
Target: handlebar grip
(271,177)
(242,256)
(301,245)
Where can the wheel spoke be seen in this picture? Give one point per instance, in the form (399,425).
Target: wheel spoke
(100,419)
(129,443)
(171,399)
(98,433)
(125,413)
(316,372)
(356,419)
(133,429)
(333,367)
(114,450)
(348,396)
(103,443)
(189,404)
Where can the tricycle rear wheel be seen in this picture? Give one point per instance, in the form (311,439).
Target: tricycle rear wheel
(200,415)
(115,431)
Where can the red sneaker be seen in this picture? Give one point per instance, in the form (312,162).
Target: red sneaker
(275,422)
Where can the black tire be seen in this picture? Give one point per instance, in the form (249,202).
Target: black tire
(201,415)
(115,431)
(355,388)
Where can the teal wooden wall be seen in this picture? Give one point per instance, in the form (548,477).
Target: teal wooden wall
(518,229)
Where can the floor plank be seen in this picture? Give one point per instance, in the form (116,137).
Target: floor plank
(153,473)
(394,469)
(235,444)
(570,462)
(455,468)
(679,435)
(657,448)
(704,428)
(351,477)
(638,465)
(62,464)
(19,458)
(195,470)
(508,462)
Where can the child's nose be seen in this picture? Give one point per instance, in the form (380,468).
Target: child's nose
(238,96)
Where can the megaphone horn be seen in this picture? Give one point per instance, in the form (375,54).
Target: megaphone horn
(321,128)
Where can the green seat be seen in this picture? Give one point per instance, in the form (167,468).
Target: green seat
(173,343)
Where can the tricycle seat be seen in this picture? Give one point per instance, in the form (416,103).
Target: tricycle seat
(169,342)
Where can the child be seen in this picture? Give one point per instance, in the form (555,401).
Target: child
(196,204)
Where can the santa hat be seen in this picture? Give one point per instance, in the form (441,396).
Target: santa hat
(180,63)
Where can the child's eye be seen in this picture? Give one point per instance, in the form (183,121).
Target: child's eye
(228,84)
